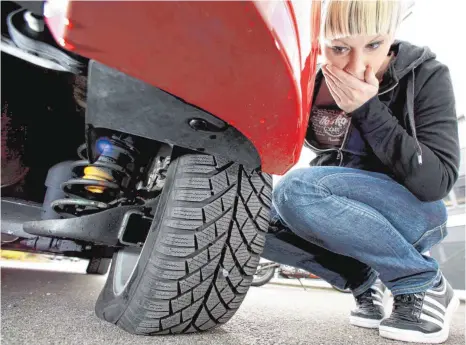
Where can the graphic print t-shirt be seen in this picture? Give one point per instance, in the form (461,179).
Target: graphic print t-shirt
(329,125)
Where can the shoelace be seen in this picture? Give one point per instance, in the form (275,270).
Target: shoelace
(365,300)
(408,307)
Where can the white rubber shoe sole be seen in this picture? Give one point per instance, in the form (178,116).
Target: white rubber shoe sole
(364,323)
(419,337)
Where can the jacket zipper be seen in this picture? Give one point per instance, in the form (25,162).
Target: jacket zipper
(340,152)
(319,150)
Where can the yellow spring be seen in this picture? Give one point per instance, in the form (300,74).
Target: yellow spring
(94,173)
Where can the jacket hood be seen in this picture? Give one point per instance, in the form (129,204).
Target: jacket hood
(408,57)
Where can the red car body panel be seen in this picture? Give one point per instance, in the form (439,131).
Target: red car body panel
(252,64)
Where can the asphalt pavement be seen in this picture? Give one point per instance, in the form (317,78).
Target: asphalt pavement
(49,307)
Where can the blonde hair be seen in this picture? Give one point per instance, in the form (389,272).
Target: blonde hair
(343,18)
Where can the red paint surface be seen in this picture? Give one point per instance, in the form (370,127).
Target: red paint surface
(246,62)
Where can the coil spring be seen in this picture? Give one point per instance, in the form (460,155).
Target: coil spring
(100,185)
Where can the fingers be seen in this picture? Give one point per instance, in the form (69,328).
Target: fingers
(350,98)
(345,78)
(333,90)
(370,78)
(337,84)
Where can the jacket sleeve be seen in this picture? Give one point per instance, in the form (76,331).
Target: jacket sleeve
(437,133)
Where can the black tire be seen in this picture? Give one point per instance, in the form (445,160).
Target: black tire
(263,279)
(200,255)
(98,266)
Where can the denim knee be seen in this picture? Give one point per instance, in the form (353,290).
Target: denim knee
(298,188)
(284,189)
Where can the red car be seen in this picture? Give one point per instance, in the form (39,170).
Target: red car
(145,134)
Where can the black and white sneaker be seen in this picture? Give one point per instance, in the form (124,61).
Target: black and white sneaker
(422,317)
(369,310)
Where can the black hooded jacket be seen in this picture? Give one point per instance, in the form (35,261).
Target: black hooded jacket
(409,131)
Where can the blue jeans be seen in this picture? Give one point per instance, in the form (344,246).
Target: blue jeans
(351,227)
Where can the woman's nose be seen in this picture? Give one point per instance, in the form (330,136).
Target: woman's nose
(356,67)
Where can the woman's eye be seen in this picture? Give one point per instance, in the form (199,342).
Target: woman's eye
(339,50)
(374,45)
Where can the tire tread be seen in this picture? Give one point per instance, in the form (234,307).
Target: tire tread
(211,237)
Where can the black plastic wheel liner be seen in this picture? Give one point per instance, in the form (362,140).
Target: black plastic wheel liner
(119,102)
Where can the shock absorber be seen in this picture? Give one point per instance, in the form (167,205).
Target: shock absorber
(102,184)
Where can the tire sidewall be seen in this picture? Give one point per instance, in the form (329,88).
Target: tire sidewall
(111,307)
